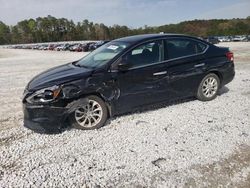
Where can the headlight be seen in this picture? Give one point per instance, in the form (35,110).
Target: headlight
(44,95)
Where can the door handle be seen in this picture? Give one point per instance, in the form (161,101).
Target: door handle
(160,73)
(200,65)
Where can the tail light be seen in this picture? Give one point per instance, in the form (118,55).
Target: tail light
(230,56)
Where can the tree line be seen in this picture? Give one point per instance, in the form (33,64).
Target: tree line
(51,29)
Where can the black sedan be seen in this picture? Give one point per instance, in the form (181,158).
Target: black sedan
(123,75)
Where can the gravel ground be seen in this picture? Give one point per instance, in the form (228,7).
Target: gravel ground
(188,144)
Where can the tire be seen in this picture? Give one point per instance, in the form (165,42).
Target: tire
(93,109)
(208,88)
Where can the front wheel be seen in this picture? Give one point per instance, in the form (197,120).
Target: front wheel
(90,115)
(208,87)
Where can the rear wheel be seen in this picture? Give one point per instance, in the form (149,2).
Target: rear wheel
(208,87)
(90,115)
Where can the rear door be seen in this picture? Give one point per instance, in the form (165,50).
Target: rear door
(186,64)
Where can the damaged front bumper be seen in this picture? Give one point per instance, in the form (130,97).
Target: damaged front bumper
(49,119)
(45,119)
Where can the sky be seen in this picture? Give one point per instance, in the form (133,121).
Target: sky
(132,13)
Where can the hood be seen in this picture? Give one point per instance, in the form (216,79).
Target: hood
(58,75)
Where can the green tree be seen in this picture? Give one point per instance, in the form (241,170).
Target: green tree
(48,29)
(5,36)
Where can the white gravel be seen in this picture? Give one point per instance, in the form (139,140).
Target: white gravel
(163,147)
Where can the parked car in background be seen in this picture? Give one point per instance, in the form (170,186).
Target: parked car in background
(35,47)
(124,75)
(212,40)
(97,45)
(224,39)
(239,38)
(79,48)
(67,47)
(73,47)
(51,47)
(59,47)
(248,38)
(42,47)
(86,46)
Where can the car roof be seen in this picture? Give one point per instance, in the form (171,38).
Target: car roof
(138,38)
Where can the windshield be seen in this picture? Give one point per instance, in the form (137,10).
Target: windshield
(102,55)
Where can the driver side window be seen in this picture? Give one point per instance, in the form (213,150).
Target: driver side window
(145,54)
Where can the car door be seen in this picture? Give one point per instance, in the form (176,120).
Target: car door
(185,65)
(145,81)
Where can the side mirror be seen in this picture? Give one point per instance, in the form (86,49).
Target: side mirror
(123,65)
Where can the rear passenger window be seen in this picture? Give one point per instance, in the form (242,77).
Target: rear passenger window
(183,47)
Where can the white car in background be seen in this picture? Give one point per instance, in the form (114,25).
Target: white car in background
(59,47)
(224,39)
(240,38)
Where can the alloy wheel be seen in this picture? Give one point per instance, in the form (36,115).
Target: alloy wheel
(210,87)
(89,115)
